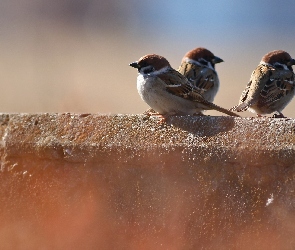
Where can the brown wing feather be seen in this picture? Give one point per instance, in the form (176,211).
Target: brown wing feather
(245,92)
(251,93)
(176,83)
(279,85)
(201,78)
(242,106)
(184,89)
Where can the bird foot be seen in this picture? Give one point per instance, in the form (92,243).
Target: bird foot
(149,112)
(278,115)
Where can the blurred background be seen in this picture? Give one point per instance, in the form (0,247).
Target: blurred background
(73,55)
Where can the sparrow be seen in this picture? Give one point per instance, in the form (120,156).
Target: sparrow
(271,86)
(198,66)
(167,91)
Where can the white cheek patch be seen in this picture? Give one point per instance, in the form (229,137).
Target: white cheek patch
(284,66)
(209,65)
(154,73)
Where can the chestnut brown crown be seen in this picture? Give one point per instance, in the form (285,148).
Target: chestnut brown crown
(151,60)
(200,53)
(278,56)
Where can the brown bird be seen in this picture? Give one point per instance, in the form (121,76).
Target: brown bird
(271,86)
(198,66)
(167,91)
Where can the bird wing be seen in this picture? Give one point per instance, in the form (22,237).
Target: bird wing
(251,93)
(279,84)
(245,92)
(202,78)
(243,105)
(178,85)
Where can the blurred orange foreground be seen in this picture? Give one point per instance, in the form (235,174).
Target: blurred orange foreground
(71,181)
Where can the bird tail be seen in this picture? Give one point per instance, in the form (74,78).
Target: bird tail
(197,97)
(241,107)
(222,110)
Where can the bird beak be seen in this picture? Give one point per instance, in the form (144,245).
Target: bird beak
(217,60)
(292,62)
(134,65)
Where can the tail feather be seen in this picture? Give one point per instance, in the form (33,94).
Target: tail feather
(222,110)
(241,107)
(197,97)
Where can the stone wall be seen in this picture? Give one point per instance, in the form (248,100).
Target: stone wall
(84,181)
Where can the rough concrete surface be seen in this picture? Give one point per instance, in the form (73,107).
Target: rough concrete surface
(85,181)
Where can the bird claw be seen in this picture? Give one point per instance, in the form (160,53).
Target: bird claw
(278,115)
(149,112)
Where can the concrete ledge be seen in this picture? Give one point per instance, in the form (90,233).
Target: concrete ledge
(128,182)
(78,137)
